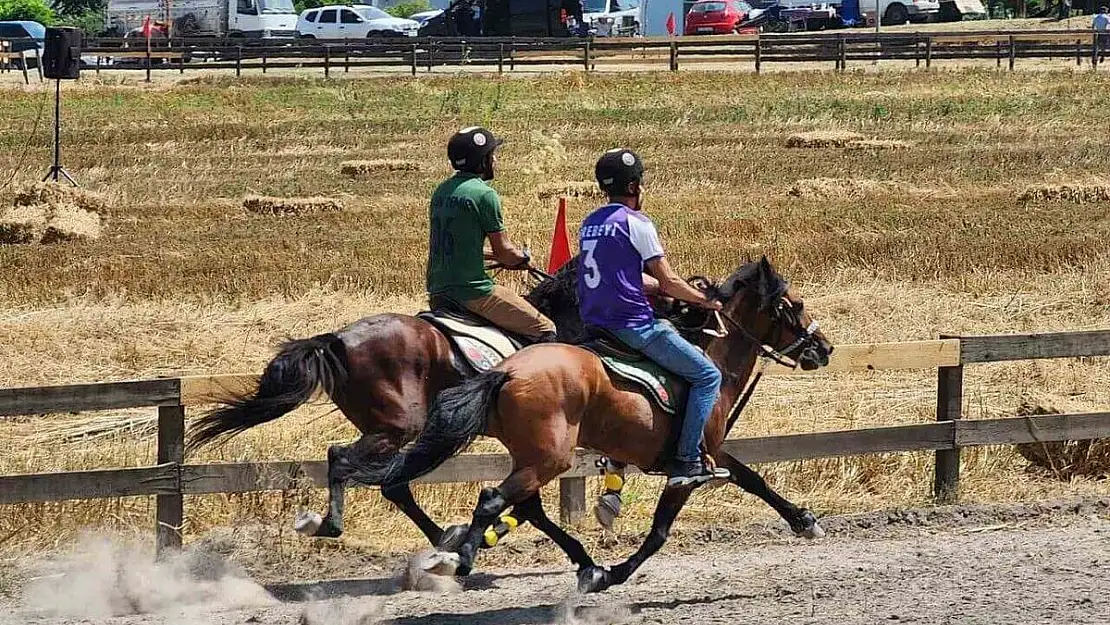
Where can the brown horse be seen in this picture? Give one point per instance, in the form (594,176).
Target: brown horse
(382,372)
(545,400)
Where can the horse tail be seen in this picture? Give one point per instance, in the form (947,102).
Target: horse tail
(290,379)
(456,418)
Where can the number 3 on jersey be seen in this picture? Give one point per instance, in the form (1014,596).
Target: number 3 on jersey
(593,272)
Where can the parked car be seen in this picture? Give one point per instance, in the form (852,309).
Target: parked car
(716,17)
(352,22)
(424,16)
(25,36)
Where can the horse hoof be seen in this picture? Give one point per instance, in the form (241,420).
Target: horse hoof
(607,510)
(809,527)
(441,563)
(814,531)
(593,579)
(308,523)
(453,538)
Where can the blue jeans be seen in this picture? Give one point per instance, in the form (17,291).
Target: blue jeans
(663,344)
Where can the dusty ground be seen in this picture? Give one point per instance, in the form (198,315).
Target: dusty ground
(968,564)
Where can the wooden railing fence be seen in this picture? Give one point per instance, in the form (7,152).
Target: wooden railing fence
(171,478)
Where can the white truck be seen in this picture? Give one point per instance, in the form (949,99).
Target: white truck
(264,19)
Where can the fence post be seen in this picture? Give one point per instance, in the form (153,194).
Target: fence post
(674,56)
(998,53)
(950,399)
(500,58)
(928,52)
(758,53)
(916,51)
(586,56)
(1013,52)
(1094,51)
(171,448)
(414,59)
(238,61)
(572,499)
(842,61)
(1078,52)
(327,61)
(346,57)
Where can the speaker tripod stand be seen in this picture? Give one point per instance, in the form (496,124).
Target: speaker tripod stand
(56,170)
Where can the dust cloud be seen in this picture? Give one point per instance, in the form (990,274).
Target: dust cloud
(105,576)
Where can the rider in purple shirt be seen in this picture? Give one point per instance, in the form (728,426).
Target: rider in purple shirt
(618,242)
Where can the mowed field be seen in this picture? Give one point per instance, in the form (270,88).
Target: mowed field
(918,232)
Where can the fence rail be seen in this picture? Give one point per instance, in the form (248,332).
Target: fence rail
(507,54)
(171,478)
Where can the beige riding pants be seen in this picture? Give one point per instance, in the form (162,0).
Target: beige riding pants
(510,311)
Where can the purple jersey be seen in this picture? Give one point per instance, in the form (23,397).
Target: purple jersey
(615,242)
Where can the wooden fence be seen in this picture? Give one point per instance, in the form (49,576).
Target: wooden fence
(171,478)
(507,54)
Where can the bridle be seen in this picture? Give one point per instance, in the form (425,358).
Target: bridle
(787,356)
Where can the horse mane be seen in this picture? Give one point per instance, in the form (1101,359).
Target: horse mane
(760,279)
(558,299)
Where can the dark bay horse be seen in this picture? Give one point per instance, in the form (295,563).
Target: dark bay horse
(547,399)
(382,372)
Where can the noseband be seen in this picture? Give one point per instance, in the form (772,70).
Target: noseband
(787,356)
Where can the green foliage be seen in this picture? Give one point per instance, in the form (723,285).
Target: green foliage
(33,10)
(301,5)
(90,21)
(76,8)
(408,8)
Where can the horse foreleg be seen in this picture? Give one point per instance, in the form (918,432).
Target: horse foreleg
(802,522)
(531,510)
(597,579)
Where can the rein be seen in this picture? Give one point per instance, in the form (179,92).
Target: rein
(782,357)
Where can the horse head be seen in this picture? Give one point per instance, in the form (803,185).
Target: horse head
(762,308)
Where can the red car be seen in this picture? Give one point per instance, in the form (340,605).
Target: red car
(716,17)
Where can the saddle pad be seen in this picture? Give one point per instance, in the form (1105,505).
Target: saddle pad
(667,390)
(484,347)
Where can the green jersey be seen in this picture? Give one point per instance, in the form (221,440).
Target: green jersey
(464,210)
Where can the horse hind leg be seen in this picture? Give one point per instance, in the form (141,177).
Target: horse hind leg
(340,471)
(521,485)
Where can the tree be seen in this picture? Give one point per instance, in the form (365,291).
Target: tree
(79,7)
(33,10)
(90,21)
(408,8)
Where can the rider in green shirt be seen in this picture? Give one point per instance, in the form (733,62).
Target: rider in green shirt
(465,211)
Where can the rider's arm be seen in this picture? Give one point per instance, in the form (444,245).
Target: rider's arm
(672,284)
(504,252)
(651,285)
(644,237)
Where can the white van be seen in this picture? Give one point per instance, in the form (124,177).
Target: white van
(612,18)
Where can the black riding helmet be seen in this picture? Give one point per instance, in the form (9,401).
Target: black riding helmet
(616,169)
(469,148)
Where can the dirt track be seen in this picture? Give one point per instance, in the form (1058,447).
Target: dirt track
(1009,565)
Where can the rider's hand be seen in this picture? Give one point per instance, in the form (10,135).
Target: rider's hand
(524,264)
(713,305)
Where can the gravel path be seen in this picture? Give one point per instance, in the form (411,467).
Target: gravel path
(937,567)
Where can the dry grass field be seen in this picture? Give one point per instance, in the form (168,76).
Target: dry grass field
(908,228)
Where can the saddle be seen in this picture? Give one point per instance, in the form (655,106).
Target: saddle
(667,390)
(478,345)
